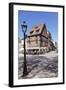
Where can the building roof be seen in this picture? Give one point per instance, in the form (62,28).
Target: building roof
(37,29)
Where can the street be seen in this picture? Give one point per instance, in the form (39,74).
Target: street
(39,66)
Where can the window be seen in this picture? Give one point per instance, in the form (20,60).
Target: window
(31,32)
(36,40)
(28,40)
(36,27)
(37,30)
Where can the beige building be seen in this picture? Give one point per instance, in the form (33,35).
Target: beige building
(39,40)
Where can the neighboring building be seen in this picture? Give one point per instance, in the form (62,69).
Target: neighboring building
(19,48)
(56,46)
(39,40)
(21,45)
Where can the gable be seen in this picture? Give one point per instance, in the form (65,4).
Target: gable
(44,31)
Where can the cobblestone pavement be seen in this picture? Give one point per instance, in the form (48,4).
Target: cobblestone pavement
(39,66)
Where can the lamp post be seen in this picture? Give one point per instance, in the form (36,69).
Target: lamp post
(24,29)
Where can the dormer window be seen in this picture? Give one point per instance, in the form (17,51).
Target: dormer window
(37,30)
(31,32)
(36,27)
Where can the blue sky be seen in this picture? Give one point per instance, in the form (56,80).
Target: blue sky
(36,17)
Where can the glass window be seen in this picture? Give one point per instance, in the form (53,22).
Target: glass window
(37,30)
(31,32)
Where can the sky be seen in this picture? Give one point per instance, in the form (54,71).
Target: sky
(36,17)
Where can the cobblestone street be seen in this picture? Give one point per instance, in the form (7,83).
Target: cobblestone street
(39,66)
